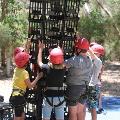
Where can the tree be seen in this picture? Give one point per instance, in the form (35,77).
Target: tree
(13,28)
(4,12)
(109,14)
(92,26)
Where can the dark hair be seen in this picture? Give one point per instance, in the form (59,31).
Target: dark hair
(81,51)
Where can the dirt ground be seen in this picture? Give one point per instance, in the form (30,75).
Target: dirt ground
(110,81)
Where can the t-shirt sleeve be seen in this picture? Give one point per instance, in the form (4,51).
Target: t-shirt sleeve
(25,75)
(98,63)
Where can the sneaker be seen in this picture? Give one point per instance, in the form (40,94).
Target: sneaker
(100,111)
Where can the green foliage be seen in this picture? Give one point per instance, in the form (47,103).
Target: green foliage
(101,29)
(92,26)
(5,35)
(113,38)
(15,22)
(112,48)
(117,18)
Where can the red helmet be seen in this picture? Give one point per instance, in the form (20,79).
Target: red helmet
(18,50)
(82,43)
(56,56)
(21,59)
(98,49)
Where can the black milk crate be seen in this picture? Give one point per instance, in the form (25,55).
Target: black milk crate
(55,23)
(6,111)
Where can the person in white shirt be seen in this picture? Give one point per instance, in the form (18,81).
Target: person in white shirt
(95,52)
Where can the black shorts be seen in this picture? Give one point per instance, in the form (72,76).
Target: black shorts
(18,104)
(76,94)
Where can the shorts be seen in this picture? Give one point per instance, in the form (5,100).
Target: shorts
(76,94)
(18,104)
(47,109)
(94,92)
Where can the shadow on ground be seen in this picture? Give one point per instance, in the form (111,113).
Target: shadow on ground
(113,66)
(111,79)
(111,88)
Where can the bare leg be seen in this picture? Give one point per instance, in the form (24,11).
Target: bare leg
(94,114)
(80,111)
(84,112)
(20,118)
(23,116)
(72,110)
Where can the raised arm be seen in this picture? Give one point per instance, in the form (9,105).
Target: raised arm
(91,53)
(32,84)
(41,47)
(102,69)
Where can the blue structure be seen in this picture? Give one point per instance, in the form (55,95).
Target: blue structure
(111,107)
(111,103)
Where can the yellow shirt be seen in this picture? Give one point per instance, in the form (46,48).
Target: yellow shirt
(19,77)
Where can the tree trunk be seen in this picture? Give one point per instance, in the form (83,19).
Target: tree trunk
(3,57)
(87,9)
(8,66)
(4,5)
(109,14)
(4,12)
